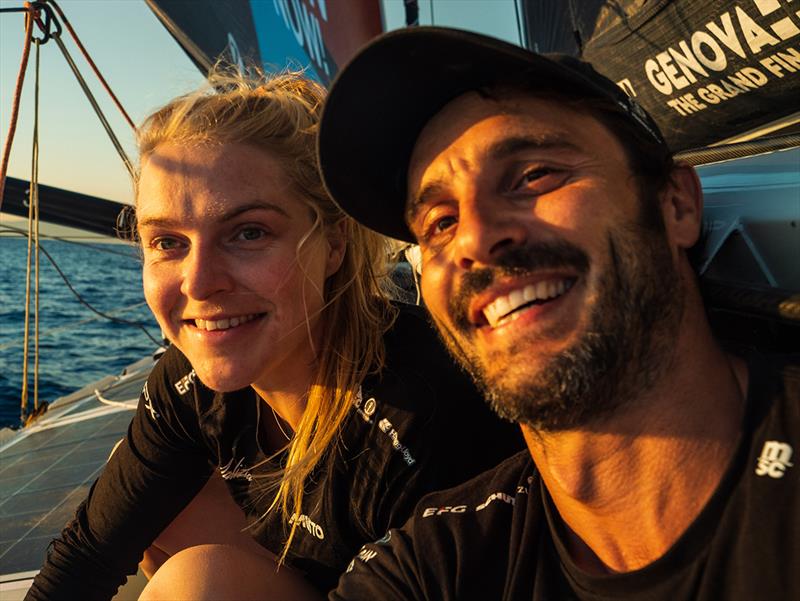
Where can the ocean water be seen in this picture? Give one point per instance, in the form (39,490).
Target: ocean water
(76,346)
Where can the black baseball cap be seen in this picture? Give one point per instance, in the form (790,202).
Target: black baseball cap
(380,102)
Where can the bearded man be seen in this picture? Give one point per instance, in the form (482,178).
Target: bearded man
(555,232)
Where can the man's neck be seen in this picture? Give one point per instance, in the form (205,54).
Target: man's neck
(628,488)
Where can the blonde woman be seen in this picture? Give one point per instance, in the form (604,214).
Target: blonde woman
(298,412)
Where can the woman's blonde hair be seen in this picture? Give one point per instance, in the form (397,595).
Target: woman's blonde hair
(281,114)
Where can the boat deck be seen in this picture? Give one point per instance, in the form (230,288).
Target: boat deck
(47,468)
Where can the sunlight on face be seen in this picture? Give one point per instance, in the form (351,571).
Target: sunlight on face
(537,270)
(220,229)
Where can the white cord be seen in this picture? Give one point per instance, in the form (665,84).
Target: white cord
(130,404)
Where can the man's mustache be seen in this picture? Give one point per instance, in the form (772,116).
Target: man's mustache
(519,261)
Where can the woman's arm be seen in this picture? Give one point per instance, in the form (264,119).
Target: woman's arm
(159,467)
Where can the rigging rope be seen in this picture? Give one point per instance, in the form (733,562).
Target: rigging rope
(33,13)
(75,324)
(35,202)
(78,296)
(14,231)
(17,97)
(91,63)
(98,111)
(33,255)
(86,304)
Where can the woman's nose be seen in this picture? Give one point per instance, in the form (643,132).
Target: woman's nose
(205,273)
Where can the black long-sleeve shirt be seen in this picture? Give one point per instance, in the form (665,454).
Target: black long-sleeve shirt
(499,536)
(417,427)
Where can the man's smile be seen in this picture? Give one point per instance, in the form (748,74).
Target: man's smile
(507,306)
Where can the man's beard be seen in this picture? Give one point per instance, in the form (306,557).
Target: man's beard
(627,345)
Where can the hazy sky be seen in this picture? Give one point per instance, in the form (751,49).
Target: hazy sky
(145,68)
(140,60)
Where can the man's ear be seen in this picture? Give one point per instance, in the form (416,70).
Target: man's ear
(682,207)
(336,236)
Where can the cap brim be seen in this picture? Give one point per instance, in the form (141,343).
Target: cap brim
(384,97)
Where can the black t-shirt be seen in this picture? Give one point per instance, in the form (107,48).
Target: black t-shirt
(417,427)
(499,535)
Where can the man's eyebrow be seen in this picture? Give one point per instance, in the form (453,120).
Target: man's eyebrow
(223,217)
(509,146)
(501,149)
(431,189)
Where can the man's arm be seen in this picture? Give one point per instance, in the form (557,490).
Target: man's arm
(384,570)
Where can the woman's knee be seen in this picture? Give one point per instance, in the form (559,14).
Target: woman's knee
(225,572)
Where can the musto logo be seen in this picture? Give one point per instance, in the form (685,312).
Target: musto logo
(303,521)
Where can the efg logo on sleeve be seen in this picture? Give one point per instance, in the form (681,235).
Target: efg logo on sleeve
(186,382)
(429,511)
(775,458)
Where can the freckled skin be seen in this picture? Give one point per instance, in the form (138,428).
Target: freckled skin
(220,227)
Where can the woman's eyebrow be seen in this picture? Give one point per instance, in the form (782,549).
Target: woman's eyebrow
(223,217)
(253,206)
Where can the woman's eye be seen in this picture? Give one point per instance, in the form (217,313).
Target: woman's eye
(165,244)
(251,233)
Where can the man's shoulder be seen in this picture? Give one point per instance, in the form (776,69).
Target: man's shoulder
(504,483)
(777,376)
(454,546)
(789,367)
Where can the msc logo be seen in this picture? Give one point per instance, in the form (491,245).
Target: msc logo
(775,458)
(446,509)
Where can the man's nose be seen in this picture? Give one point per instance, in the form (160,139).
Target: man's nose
(485,231)
(205,273)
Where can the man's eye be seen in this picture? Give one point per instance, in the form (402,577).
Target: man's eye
(539,180)
(533,175)
(443,223)
(436,226)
